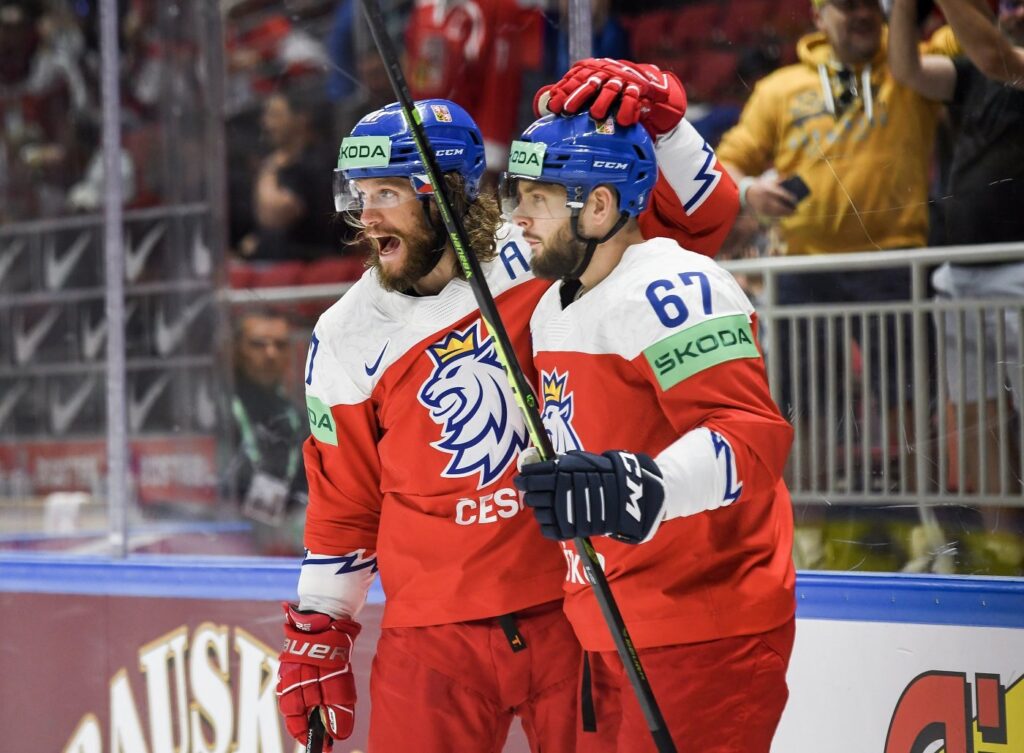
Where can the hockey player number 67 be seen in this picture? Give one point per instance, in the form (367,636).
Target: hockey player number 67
(670,307)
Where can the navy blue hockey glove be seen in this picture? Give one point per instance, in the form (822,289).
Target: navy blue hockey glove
(619,494)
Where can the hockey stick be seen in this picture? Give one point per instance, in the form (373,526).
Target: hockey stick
(315,738)
(524,395)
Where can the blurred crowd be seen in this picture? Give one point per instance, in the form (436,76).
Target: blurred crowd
(789,92)
(50,111)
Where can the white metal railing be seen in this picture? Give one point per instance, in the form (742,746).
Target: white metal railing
(852,445)
(919,445)
(328,292)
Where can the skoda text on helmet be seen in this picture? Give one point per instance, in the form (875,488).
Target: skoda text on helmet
(581,154)
(381,145)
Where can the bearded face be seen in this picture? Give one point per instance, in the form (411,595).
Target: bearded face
(541,210)
(556,255)
(403,243)
(401,257)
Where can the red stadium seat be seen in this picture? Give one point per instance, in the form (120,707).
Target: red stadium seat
(710,75)
(663,37)
(264,274)
(697,24)
(748,19)
(249,275)
(274,274)
(650,37)
(678,63)
(793,17)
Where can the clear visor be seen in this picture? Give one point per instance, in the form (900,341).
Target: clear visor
(535,200)
(377,193)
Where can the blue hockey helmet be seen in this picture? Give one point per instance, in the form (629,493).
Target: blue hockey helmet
(381,145)
(580,154)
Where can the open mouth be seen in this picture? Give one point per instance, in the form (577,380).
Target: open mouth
(388,244)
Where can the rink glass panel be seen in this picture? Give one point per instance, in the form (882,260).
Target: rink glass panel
(196,79)
(53,346)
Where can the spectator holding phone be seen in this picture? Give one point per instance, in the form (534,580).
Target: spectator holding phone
(837,152)
(815,138)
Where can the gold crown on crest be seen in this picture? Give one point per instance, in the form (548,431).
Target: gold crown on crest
(553,386)
(453,346)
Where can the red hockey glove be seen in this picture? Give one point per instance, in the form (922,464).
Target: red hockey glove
(644,94)
(315,672)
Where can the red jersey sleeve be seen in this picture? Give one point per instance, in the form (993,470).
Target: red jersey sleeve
(732,399)
(342,462)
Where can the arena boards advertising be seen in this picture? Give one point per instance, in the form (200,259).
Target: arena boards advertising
(168,655)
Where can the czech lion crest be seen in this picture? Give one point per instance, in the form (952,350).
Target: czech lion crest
(557,414)
(467,395)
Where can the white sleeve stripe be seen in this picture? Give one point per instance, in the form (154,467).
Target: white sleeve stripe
(700,474)
(688,164)
(339,589)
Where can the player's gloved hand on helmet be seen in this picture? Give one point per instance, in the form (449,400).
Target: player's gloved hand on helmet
(619,494)
(315,673)
(642,93)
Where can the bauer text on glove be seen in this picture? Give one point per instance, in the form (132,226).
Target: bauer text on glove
(316,672)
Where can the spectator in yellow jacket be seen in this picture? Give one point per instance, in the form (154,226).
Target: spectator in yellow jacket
(860,141)
(860,145)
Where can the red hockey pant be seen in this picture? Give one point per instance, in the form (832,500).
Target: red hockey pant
(457,687)
(723,696)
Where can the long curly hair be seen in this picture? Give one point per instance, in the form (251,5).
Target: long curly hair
(481,218)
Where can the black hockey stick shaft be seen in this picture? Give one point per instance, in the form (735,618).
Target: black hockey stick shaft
(315,737)
(524,395)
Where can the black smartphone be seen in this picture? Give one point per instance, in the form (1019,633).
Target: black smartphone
(796,186)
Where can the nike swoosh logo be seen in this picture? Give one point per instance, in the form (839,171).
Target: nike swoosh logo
(206,408)
(58,267)
(10,254)
(202,258)
(371,370)
(93,335)
(139,408)
(26,342)
(135,258)
(169,334)
(10,400)
(63,413)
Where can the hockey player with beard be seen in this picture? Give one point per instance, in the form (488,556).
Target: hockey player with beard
(415,436)
(670,448)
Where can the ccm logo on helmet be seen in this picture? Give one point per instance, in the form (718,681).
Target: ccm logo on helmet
(611,165)
(315,650)
(449,152)
(362,151)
